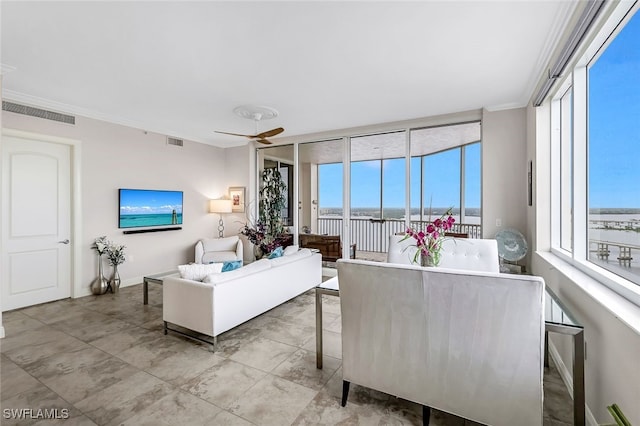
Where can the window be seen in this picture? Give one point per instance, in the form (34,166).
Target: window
(446,173)
(614,154)
(566,170)
(595,116)
(472,184)
(441,184)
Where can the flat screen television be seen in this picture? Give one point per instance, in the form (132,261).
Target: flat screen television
(140,208)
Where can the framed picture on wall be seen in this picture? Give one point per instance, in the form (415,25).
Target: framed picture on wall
(236,194)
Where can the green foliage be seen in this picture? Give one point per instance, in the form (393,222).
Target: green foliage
(618,416)
(273,194)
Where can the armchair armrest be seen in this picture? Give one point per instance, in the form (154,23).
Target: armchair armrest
(199,252)
(239,250)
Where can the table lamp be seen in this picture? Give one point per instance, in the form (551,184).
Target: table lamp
(220,206)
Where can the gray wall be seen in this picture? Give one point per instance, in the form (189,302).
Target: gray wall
(115,156)
(504,180)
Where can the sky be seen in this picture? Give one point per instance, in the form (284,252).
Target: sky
(614,148)
(138,201)
(614,122)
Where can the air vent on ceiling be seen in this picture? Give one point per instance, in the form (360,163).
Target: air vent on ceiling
(174,141)
(37,112)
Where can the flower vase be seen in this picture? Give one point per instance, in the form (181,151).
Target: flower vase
(114,282)
(257,252)
(100,284)
(427,260)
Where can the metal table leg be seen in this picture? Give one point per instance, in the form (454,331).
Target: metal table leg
(578,379)
(318,329)
(546,348)
(145,292)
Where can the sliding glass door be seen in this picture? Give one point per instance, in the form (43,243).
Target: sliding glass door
(378,174)
(384,197)
(445,174)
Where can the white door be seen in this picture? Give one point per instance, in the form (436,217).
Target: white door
(36,222)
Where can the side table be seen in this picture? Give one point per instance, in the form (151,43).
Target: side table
(155,279)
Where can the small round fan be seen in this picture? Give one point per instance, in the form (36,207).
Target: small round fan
(512,245)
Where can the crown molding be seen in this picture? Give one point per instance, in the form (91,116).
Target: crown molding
(504,107)
(554,37)
(35,101)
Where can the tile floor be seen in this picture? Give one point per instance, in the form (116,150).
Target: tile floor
(106,361)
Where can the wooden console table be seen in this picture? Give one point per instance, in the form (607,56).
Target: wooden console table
(329,246)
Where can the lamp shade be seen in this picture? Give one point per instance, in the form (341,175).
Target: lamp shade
(219,206)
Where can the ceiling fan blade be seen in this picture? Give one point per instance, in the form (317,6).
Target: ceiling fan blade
(264,141)
(269,133)
(236,134)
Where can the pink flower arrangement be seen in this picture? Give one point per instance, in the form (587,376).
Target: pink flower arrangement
(429,241)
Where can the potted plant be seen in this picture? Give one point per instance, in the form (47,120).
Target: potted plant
(268,232)
(429,241)
(273,195)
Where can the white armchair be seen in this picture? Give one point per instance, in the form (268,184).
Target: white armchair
(399,251)
(457,253)
(464,342)
(470,254)
(218,249)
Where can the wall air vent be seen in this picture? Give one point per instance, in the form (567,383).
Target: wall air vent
(37,112)
(174,141)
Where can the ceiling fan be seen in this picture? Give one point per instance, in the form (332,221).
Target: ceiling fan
(256,113)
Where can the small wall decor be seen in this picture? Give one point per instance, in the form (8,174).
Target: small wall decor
(530,184)
(236,195)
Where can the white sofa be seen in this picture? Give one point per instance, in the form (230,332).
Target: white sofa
(465,342)
(230,298)
(210,250)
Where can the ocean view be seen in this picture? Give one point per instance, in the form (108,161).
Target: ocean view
(617,227)
(472,214)
(154,219)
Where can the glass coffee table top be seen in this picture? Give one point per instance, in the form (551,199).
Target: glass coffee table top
(556,312)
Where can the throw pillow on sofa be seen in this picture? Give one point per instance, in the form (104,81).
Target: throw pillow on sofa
(198,271)
(291,250)
(229,265)
(278,252)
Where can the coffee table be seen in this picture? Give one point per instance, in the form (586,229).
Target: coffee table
(331,288)
(155,279)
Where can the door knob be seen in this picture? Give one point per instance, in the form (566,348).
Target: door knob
(63,242)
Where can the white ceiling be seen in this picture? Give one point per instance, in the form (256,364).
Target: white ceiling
(180,68)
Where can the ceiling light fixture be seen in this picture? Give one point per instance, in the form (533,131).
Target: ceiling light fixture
(255,112)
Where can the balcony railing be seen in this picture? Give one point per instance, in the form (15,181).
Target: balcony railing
(373,234)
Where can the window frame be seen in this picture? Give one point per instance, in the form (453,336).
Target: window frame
(576,78)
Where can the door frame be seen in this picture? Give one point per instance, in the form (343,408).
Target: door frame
(76,210)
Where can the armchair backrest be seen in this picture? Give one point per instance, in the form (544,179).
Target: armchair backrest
(210,250)
(457,253)
(470,254)
(401,252)
(464,342)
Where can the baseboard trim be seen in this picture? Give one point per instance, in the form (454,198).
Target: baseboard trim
(567,378)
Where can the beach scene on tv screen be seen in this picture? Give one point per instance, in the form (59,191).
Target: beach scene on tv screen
(140,208)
